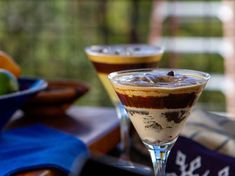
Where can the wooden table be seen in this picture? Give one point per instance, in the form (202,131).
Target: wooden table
(96,127)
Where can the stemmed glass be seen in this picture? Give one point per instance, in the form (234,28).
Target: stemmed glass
(110,58)
(158,102)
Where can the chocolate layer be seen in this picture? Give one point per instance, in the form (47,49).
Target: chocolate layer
(172,101)
(132,112)
(108,68)
(153,125)
(175,116)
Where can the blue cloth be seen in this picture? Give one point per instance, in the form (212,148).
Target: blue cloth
(191,158)
(38,146)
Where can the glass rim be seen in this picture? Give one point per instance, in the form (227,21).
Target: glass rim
(159,50)
(205,76)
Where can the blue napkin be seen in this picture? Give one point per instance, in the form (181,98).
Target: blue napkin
(38,146)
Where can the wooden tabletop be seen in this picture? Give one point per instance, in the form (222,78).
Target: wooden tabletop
(95,126)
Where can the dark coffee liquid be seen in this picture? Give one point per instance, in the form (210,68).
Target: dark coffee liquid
(108,68)
(171,101)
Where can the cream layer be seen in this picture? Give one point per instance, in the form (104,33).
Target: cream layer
(158,126)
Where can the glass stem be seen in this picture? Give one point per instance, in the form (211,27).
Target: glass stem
(124,130)
(159,155)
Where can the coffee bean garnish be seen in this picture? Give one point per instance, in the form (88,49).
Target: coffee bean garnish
(171,73)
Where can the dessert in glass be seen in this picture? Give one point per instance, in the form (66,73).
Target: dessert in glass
(110,58)
(158,102)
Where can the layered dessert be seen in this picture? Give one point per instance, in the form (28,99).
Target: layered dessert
(158,101)
(110,58)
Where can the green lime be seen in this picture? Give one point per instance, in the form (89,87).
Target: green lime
(8,82)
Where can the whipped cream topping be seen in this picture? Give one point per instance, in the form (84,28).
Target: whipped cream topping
(158,79)
(125,49)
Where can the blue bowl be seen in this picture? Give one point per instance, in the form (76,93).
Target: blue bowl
(10,103)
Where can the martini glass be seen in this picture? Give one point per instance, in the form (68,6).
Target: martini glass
(110,58)
(158,102)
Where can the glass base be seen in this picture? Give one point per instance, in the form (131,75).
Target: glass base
(159,155)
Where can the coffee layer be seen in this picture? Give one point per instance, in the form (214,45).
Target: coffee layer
(170,101)
(108,68)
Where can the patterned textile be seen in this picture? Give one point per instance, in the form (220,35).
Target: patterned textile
(215,132)
(206,147)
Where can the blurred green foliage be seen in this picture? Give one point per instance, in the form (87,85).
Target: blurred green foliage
(47,38)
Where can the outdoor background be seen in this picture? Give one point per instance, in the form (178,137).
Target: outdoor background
(47,39)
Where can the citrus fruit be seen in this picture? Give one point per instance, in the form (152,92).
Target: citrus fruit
(8,82)
(6,62)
